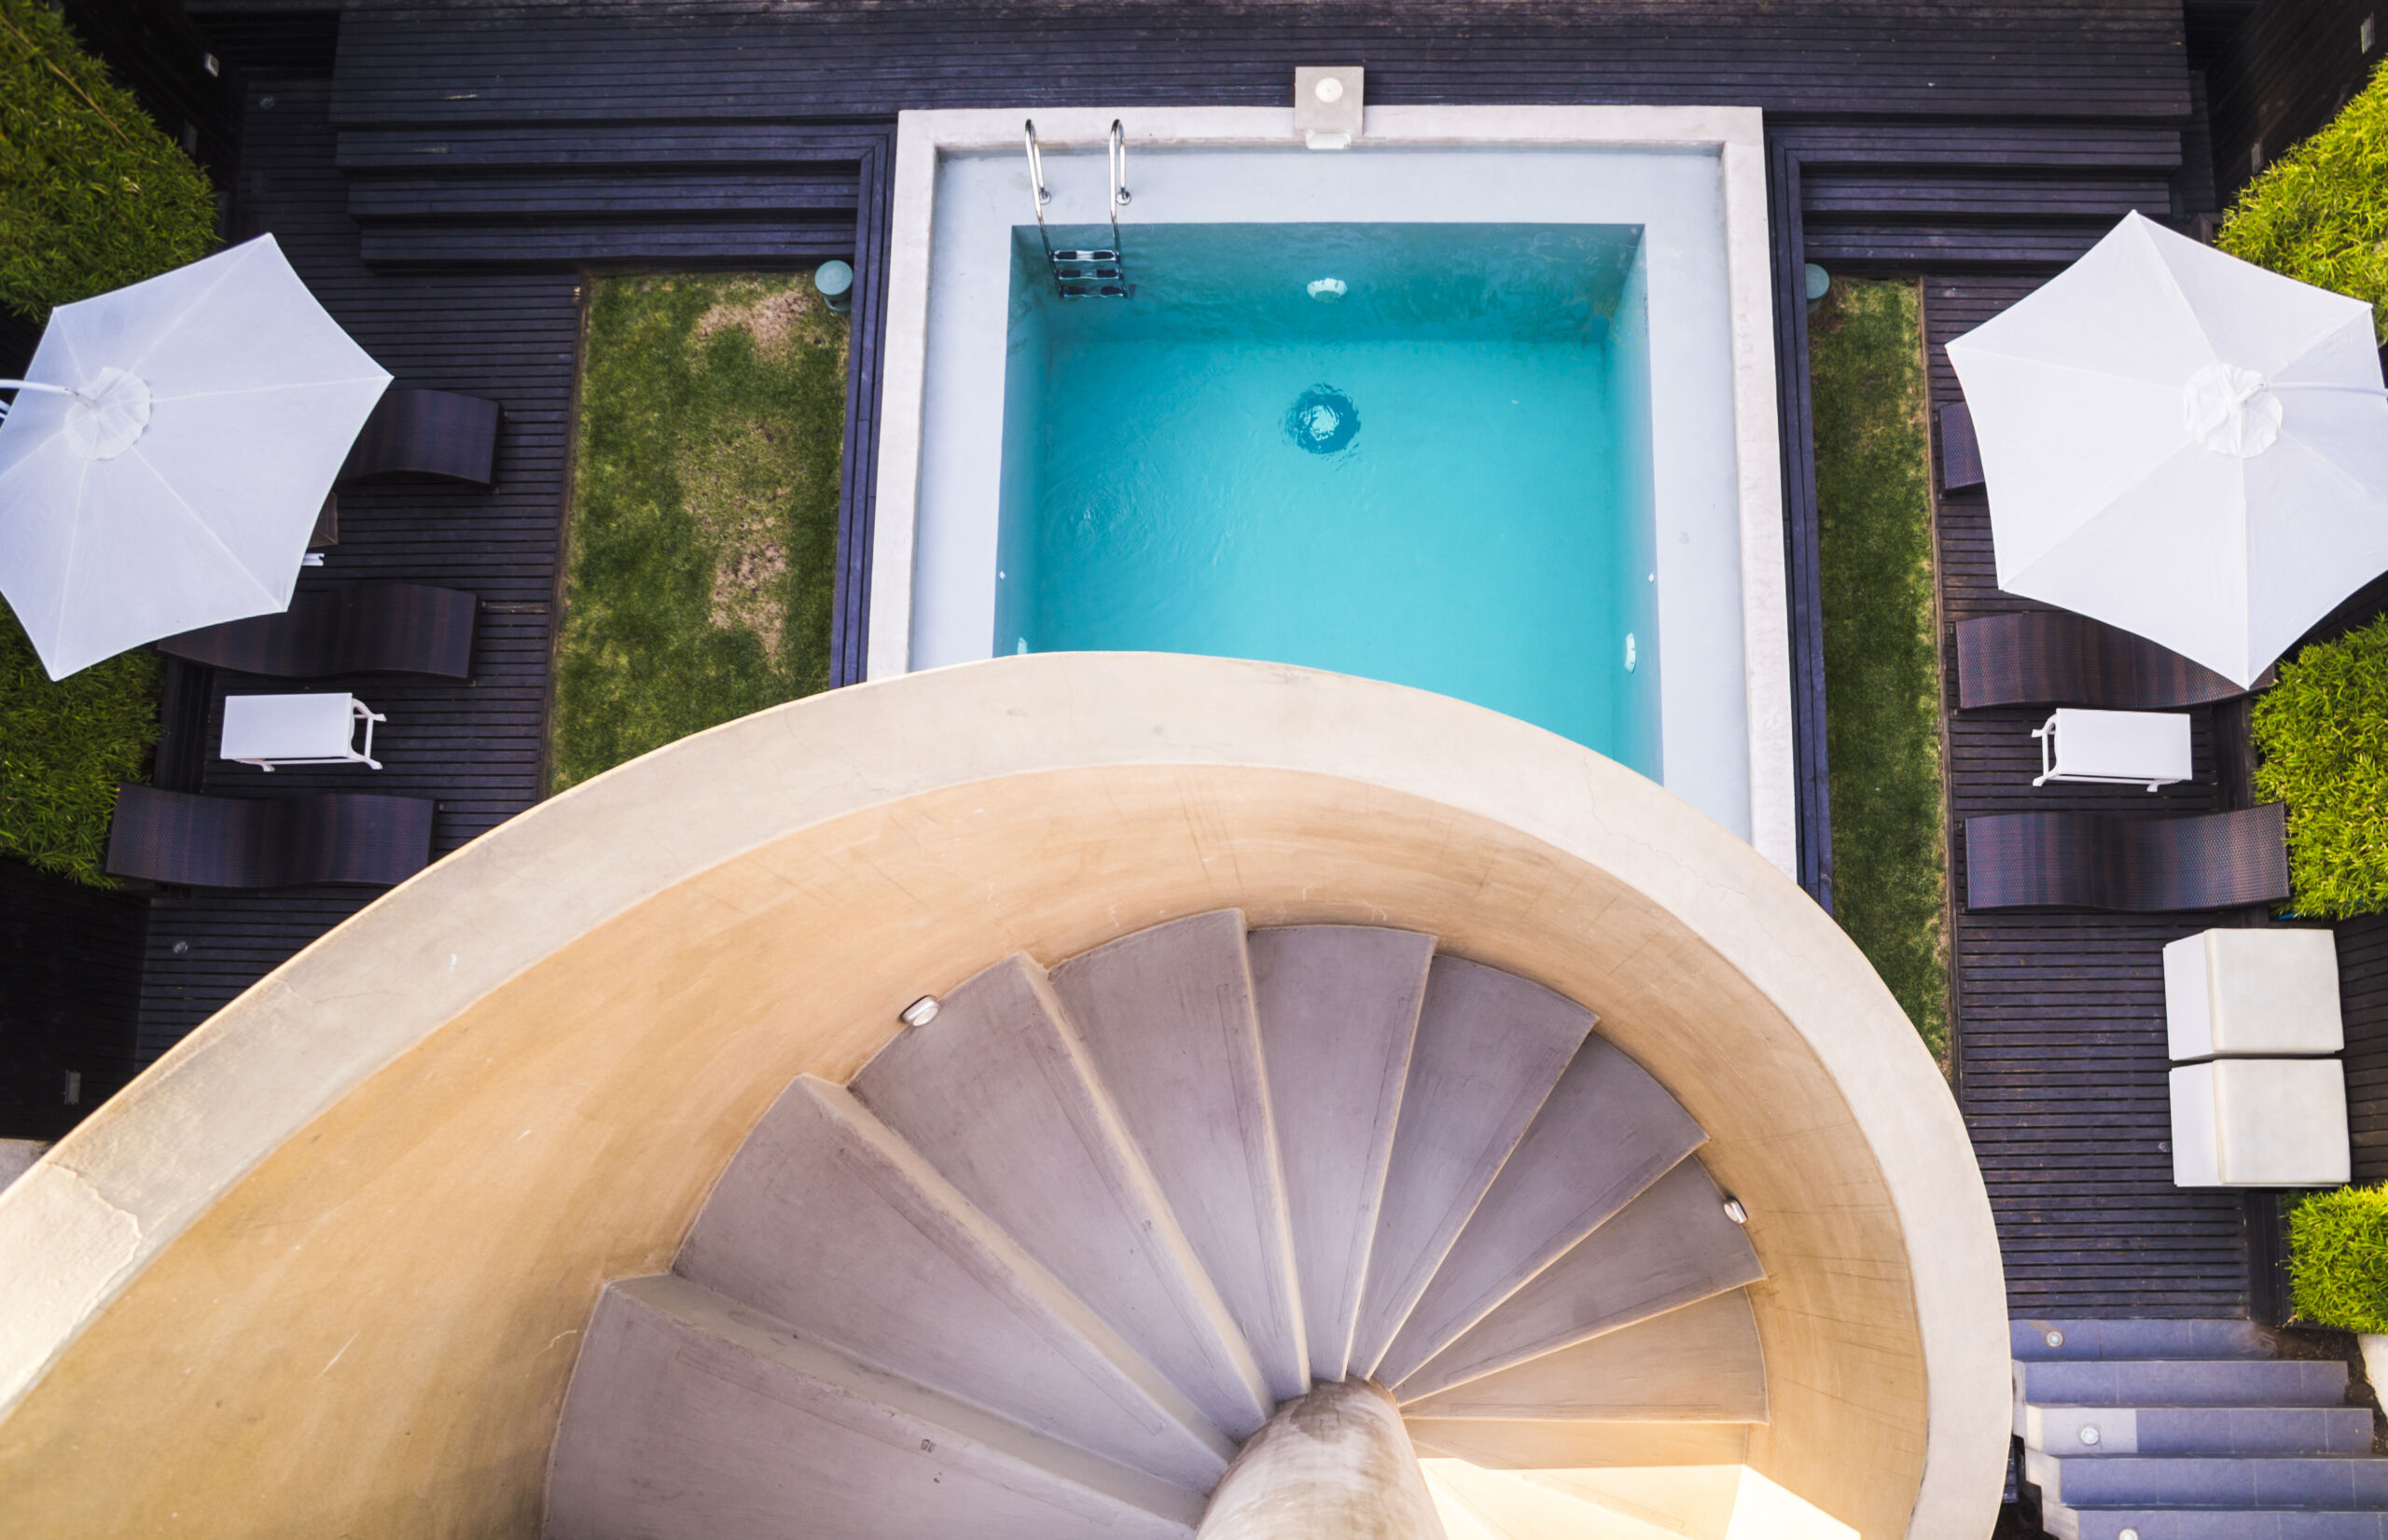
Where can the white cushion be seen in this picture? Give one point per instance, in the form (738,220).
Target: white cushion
(2260,992)
(2259,1123)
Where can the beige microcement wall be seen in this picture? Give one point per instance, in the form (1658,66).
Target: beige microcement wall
(323,1269)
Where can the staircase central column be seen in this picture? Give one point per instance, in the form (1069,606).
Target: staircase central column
(1336,1461)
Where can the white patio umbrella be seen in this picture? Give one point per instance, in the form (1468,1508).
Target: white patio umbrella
(168,451)
(2183,445)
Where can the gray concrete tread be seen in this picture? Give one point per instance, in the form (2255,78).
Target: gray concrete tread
(2154,1523)
(1491,1045)
(998,1094)
(2211,1480)
(1606,1132)
(2140,1339)
(2183,1383)
(1338,1008)
(1670,1247)
(691,1415)
(830,1222)
(1167,1017)
(2148,1429)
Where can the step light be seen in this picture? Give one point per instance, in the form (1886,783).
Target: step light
(1734,1212)
(919,1013)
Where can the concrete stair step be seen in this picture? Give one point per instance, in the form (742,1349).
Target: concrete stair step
(998,1094)
(827,1221)
(691,1416)
(1491,1045)
(1167,1017)
(1542,1444)
(1702,1362)
(1606,1132)
(1670,1247)
(2209,1481)
(1338,1008)
(1505,1505)
(2198,1430)
(2180,1382)
(2140,1339)
(2154,1523)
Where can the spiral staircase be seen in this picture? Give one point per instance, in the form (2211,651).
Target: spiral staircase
(1059,1251)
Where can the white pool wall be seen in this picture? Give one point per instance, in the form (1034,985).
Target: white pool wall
(1693,178)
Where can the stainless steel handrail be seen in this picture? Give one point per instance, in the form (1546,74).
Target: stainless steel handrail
(1119,194)
(1042,194)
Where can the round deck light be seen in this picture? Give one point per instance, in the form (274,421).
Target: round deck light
(836,282)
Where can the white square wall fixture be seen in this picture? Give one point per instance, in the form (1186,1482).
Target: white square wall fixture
(2259,1123)
(1327,106)
(2264,992)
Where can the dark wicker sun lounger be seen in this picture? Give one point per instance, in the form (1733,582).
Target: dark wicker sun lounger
(2058,659)
(1960,452)
(268,841)
(427,434)
(364,627)
(2098,861)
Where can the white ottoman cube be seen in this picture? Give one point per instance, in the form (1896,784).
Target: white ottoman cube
(2259,1123)
(2252,992)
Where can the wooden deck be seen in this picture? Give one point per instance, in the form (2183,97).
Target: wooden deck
(2060,1018)
(445,189)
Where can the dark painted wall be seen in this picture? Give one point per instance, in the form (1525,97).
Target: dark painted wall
(2277,71)
(70,996)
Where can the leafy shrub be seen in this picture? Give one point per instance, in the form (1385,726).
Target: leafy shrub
(2320,213)
(2323,734)
(2337,1263)
(92,195)
(63,748)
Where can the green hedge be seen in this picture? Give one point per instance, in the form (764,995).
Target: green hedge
(63,748)
(2337,1262)
(2323,736)
(2320,213)
(92,195)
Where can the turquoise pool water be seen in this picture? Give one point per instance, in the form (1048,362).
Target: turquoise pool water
(1416,453)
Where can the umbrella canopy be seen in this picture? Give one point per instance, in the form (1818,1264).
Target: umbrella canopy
(2184,445)
(166,462)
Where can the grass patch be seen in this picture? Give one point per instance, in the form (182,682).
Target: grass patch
(63,748)
(1882,658)
(2322,735)
(705,512)
(2337,1258)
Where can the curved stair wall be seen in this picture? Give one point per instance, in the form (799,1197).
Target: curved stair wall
(340,1247)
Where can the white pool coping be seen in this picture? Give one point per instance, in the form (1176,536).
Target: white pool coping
(1756,800)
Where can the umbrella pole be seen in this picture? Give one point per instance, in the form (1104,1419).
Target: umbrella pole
(34,385)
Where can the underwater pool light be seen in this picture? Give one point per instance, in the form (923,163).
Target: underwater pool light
(1328,289)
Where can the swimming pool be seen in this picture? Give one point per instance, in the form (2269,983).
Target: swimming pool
(1414,452)
(1141,473)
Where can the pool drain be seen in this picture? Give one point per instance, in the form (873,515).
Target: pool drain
(1323,420)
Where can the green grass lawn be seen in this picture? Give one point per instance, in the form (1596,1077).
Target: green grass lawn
(1882,657)
(705,512)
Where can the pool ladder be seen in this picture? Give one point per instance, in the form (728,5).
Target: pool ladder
(1100,273)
